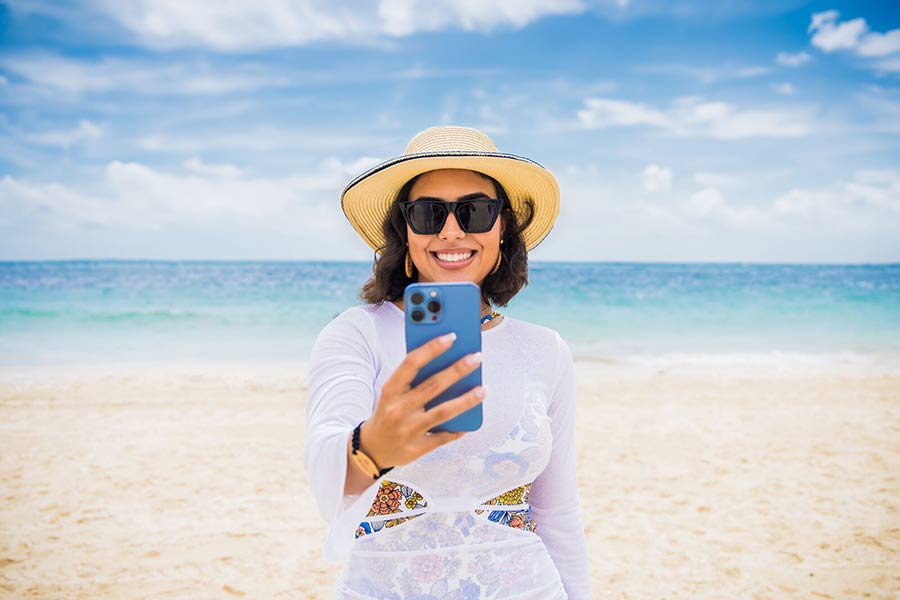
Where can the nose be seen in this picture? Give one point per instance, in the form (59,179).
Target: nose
(451,229)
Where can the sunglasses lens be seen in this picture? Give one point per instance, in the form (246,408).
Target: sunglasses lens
(426,217)
(476,216)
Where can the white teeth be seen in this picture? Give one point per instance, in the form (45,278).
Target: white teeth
(453,257)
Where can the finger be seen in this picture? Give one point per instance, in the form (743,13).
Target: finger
(432,387)
(406,371)
(447,410)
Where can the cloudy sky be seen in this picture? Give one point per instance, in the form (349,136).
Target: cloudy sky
(758,130)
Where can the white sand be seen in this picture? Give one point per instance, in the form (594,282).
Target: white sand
(187,481)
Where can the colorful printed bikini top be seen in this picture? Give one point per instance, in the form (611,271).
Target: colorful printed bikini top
(396,503)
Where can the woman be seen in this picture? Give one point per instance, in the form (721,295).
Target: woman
(491,513)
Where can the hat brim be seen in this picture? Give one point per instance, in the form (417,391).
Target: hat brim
(367,199)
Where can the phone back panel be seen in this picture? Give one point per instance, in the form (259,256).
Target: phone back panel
(460,312)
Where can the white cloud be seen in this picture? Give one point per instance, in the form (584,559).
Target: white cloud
(50,73)
(822,19)
(785,88)
(713,180)
(870,198)
(604,112)
(405,17)
(48,200)
(259,139)
(65,138)
(655,178)
(748,72)
(882,107)
(880,44)
(705,75)
(705,202)
(237,26)
(796,202)
(829,35)
(891,65)
(786,59)
(878,188)
(220,171)
(692,116)
(709,204)
(117,75)
(133,196)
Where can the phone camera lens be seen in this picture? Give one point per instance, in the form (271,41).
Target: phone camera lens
(417,298)
(417,315)
(434,306)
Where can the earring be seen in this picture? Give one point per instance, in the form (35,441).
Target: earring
(409,265)
(499,258)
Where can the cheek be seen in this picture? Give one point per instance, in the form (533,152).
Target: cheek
(490,241)
(417,243)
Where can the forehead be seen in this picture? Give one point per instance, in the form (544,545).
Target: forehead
(450,184)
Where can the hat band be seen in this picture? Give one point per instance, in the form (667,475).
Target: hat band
(441,154)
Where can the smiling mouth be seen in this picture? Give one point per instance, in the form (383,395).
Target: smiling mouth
(454,257)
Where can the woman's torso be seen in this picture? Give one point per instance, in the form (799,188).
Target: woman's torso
(456,521)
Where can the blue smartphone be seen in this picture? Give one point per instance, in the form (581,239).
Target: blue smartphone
(433,309)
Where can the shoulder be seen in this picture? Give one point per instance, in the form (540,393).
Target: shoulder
(359,324)
(363,315)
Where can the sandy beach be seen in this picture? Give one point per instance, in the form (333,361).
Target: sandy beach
(696,481)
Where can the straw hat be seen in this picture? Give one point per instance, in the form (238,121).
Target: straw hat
(367,199)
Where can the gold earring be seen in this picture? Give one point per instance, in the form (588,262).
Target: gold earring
(409,265)
(497,264)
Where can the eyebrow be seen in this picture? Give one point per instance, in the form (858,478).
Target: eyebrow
(473,196)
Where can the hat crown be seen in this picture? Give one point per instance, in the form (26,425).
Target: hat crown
(450,138)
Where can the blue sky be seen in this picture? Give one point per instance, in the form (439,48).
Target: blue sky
(679,131)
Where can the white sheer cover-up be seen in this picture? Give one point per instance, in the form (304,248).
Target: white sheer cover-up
(449,549)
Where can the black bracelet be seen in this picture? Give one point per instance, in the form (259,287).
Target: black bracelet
(355,447)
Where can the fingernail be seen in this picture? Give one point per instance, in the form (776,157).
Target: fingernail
(448,338)
(479,392)
(474,359)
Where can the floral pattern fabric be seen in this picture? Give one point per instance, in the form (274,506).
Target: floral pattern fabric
(395,498)
(392,499)
(517,519)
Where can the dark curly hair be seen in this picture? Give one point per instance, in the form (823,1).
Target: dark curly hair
(389,272)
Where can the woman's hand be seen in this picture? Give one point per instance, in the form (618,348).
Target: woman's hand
(397,432)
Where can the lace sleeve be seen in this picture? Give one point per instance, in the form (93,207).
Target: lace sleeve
(554,496)
(342,370)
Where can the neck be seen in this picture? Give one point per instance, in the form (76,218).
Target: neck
(485,308)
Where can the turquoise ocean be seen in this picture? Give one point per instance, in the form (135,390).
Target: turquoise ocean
(74,312)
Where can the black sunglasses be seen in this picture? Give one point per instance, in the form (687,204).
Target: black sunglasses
(427,216)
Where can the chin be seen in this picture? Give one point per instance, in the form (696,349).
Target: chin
(450,276)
